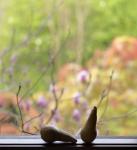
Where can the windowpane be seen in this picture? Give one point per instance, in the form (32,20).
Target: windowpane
(58,59)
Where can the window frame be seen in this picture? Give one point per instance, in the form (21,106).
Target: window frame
(19,142)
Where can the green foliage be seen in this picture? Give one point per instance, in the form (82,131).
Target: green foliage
(32,29)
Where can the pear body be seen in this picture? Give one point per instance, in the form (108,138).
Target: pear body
(88,133)
(50,134)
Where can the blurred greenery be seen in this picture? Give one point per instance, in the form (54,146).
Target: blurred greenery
(34,31)
(31,29)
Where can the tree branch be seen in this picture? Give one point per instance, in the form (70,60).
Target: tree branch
(107,94)
(20,112)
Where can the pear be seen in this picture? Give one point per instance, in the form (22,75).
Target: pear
(89,133)
(50,134)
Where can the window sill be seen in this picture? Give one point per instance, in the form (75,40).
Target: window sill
(20,142)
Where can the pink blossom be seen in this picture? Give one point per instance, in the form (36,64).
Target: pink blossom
(42,102)
(76,97)
(57,116)
(76,115)
(83,76)
(85,105)
(53,88)
(22,105)
(28,105)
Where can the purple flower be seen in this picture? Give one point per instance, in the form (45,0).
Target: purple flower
(13,59)
(42,102)
(53,88)
(56,116)
(76,97)
(76,115)
(28,105)
(83,76)
(85,105)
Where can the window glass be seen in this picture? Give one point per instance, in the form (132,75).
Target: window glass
(58,59)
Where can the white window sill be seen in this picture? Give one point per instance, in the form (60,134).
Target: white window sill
(36,142)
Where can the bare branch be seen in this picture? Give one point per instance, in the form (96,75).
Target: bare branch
(35,117)
(28,132)
(26,40)
(87,86)
(126,115)
(103,95)
(20,112)
(55,97)
(51,61)
(56,105)
(11,44)
(107,94)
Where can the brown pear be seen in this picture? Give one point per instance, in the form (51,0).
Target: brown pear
(89,133)
(50,134)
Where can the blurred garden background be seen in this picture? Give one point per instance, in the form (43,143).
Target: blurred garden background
(63,57)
